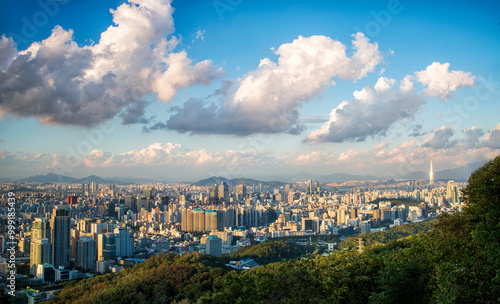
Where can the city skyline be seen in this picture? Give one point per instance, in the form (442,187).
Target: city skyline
(161,89)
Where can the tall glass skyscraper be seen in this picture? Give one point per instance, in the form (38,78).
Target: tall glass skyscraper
(61,236)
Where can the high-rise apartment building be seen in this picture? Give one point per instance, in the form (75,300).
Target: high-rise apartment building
(40,253)
(40,229)
(213,220)
(199,220)
(452,192)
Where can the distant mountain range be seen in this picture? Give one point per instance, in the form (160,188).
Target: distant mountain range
(304,176)
(459,174)
(57,178)
(236,181)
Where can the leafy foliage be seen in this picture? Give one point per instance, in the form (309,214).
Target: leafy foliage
(384,237)
(397,201)
(271,251)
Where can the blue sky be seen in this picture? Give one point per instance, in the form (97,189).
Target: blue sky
(365,87)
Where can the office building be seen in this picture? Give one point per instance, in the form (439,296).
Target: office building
(214,245)
(148,193)
(106,246)
(214,193)
(60,232)
(46,272)
(223,191)
(241,190)
(131,203)
(124,242)
(365,227)
(85,253)
(72,200)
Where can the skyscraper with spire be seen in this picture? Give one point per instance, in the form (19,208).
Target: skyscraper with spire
(431,175)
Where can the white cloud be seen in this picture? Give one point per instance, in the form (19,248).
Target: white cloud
(371,112)
(441,82)
(380,146)
(157,153)
(17,163)
(176,162)
(7,51)
(200,35)
(440,138)
(348,155)
(492,138)
(59,82)
(315,157)
(472,136)
(267,99)
(173,154)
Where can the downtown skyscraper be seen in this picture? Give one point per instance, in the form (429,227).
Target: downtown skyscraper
(60,230)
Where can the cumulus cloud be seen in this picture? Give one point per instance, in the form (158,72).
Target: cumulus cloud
(21,162)
(7,51)
(98,158)
(134,113)
(173,154)
(440,139)
(59,82)
(267,99)
(371,112)
(441,82)
(472,136)
(312,158)
(348,155)
(492,138)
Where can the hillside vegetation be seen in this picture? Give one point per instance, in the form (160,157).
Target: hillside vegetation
(384,237)
(455,261)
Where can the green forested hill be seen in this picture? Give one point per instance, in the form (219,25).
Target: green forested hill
(384,237)
(457,261)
